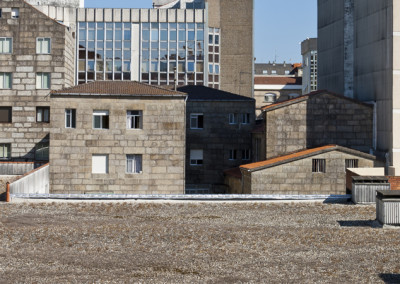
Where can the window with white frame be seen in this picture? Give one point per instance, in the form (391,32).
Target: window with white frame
(196,121)
(42,151)
(42,114)
(99,164)
(246,154)
(245,118)
(134,164)
(43,45)
(5,114)
(14,13)
(233,118)
(196,157)
(134,119)
(5,80)
(100,119)
(5,151)
(232,154)
(318,165)
(42,80)
(70,118)
(5,45)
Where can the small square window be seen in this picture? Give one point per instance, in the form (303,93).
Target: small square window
(43,45)
(14,13)
(70,118)
(42,80)
(351,163)
(245,118)
(42,151)
(6,45)
(134,119)
(233,118)
(100,164)
(5,80)
(196,157)
(133,164)
(318,165)
(232,154)
(43,114)
(5,151)
(5,114)
(196,121)
(100,119)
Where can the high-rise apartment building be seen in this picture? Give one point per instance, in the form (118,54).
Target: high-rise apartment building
(310,60)
(358,49)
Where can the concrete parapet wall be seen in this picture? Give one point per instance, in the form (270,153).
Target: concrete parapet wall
(34,182)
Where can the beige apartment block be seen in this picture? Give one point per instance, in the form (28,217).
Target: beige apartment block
(36,56)
(117,138)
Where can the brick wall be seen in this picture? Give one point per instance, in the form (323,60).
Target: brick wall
(394,182)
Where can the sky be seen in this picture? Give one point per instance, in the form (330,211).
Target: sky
(279,25)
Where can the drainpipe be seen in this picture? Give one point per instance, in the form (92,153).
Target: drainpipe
(8,192)
(375,129)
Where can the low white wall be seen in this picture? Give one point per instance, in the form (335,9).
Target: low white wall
(376,172)
(36,182)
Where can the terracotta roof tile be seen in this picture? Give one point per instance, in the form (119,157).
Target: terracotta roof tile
(277,80)
(286,157)
(117,88)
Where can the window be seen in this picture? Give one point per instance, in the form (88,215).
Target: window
(196,121)
(270,98)
(265,72)
(42,80)
(100,164)
(5,45)
(70,118)
(5,80)
(351,163)
(0,12)
(196,157)
(5,114)
(43,114)
(100,119)
(42,45)
(14,13)
(246,154)
(134,119)
(273,72)
(245,118)
(232,118)
(232,154)
(5,151)
(318,165)
(42,151)
(134,164)
(287,72)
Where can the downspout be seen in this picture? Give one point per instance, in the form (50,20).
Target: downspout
(374,129)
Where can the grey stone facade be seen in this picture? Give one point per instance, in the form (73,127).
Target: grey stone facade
(24,132)
(161,142)
(315,120)
(217,136)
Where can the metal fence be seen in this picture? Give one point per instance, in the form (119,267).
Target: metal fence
(34,182)
(15,168)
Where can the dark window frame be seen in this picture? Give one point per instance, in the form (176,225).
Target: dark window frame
(9,120)
(42,110)
(319,165)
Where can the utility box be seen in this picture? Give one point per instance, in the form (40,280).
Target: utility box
(388,207)
(364,188)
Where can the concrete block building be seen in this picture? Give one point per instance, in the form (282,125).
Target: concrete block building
(117,138)
(36,56)
(320,170)
(218,136)
(358,47)
(314,120)
(309,53)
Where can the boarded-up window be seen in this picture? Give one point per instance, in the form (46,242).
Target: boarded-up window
(100,164)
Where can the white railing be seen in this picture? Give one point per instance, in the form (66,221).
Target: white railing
(33,182)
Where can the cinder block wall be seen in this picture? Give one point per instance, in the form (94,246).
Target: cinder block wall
(297,177)
(320,120)
(161,142)
(24,132)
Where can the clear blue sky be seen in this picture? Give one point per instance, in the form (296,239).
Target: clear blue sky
(280,25)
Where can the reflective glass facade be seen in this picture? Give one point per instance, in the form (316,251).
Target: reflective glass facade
(214,57)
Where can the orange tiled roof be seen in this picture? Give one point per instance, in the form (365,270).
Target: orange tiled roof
(117,88)
(277,80)
(287,157)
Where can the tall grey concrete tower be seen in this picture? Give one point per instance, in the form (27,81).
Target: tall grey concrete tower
(358,56)
(58,3)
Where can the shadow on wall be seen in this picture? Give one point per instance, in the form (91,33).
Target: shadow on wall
(39,154)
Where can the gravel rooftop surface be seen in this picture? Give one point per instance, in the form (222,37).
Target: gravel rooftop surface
(189,242)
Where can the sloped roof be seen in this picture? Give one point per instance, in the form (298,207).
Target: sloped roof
(203,93)
(306,97)
(117,88)
(277,80)
(301,155)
